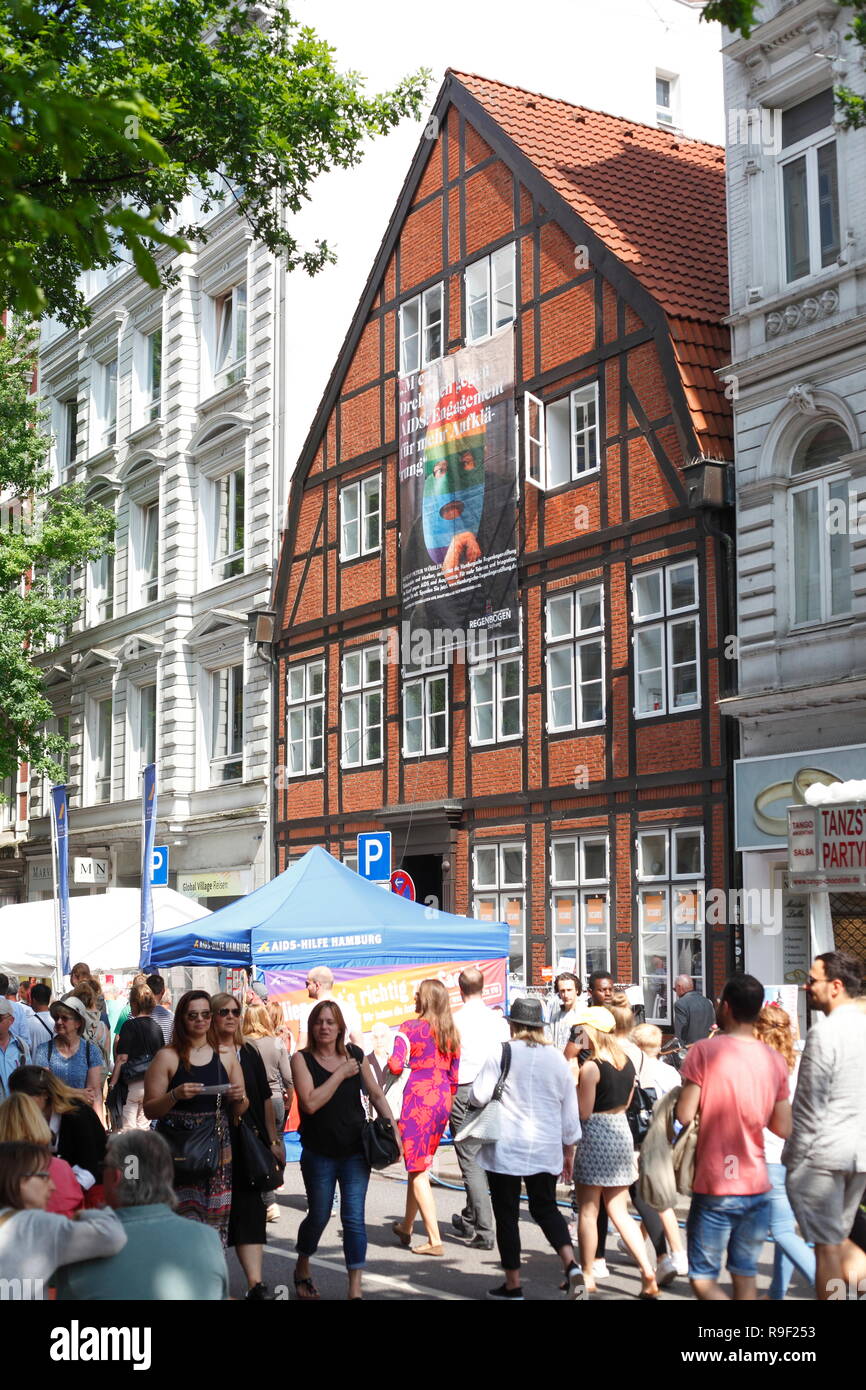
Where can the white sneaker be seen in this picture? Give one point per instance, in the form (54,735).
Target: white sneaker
(600,1270)
(681,1262)
(273,1212)
(666,1271)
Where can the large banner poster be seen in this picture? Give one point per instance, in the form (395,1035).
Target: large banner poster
(383,993)
(458,496)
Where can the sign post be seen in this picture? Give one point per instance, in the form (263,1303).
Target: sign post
(148,836)
(827,846)
(374,856)
(403,884)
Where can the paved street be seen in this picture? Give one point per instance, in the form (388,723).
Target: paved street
(393,1273)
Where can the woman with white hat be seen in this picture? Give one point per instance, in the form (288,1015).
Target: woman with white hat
(605,1162)
(539,1129)
(69,1055)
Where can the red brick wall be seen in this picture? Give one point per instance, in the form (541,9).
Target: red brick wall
(535,789)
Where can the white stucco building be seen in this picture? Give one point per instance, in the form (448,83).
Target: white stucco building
(167,408)
(797,238)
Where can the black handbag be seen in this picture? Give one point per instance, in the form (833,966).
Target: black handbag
(195,1151)
(261,1169)
(377,1137)
(380,1144)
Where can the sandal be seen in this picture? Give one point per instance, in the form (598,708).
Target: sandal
(405,1237)
(310,1292)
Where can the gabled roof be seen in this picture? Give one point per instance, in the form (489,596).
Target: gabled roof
(657,201)
(655,198)
(653,204)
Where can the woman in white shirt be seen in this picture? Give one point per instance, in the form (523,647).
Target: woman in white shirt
(35,1242)
(540,1127)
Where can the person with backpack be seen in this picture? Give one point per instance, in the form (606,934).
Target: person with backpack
(14,1052)
(69,1054)
(138,1042)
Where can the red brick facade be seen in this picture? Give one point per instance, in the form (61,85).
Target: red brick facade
(469,193)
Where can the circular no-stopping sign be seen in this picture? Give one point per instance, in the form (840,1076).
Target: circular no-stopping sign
(402,884)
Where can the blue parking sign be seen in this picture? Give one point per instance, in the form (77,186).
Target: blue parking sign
(159,867)
(374,855)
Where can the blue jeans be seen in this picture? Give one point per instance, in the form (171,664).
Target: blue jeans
(738,1224)
(791,1250)
(321,1176)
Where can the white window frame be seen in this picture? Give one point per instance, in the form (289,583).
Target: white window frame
(538,434)
(146,588)
(101,780)
(360,694)
(580,888)
(367,495)
(666,116)
(106,400)
(575,643)
(153,389)
(668,884)
(425,682)
(664,622)
(304,706)
(101,585)
(222,761)
(821,483)
(231,563)
(808,148)
(229,352)
(136,760)
(507,652)
(488,270)
(498,893)
(423,304)
(68,440)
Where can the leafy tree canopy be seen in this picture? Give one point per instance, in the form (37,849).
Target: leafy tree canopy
(43,533)
(113,111)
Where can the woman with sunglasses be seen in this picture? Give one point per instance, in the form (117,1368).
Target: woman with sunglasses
(181,1081)
(249,1214)
(34,1242)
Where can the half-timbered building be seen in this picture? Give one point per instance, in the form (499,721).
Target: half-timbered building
(573,781)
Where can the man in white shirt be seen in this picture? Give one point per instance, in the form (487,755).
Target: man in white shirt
(565,1009)
(40,1028)
(320,986)
(482,1033)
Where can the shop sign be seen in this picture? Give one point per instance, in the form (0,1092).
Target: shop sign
(827,846)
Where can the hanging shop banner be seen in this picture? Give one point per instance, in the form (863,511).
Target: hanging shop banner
(458,499)
(827,846)
(148,810)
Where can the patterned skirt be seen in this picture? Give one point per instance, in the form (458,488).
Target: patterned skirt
(208,1199)
(605,1154)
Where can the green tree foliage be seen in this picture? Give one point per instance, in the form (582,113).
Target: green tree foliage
(113,111)
(43,534)
(741,16)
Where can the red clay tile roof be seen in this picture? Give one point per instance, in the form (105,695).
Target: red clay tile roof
(657,201)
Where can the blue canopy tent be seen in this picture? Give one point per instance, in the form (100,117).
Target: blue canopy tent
(318,912)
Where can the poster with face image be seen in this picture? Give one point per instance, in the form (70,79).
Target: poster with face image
(457,497)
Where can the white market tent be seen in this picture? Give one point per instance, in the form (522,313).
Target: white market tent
(104,929)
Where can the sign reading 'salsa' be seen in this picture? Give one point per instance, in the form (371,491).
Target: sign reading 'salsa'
(458,503)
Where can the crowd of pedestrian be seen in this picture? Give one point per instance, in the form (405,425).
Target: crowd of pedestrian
(751,1138)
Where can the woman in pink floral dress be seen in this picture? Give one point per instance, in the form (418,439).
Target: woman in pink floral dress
(432,1055)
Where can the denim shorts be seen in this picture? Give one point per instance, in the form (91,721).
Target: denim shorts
(736,1224)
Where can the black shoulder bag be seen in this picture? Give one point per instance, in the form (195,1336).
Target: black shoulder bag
(378,1138)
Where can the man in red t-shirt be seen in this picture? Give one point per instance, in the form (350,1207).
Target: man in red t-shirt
(738,1087)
